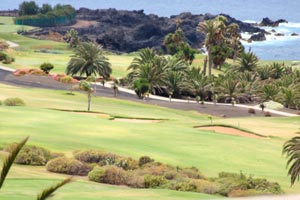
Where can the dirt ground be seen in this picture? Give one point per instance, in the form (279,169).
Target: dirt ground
(230,131)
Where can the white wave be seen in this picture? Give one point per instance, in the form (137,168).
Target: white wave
(290,25)
(250,21)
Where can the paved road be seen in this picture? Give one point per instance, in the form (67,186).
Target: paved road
(220,110)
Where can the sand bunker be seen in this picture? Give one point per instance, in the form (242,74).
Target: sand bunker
(230,131)
(145,121)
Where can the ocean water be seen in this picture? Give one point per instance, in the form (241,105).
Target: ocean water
(285,47)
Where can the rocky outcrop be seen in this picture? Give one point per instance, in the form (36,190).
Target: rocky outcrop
(128,31)
(268,22)
(258,37)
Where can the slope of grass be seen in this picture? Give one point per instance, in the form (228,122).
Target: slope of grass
(7,25)
(174,141)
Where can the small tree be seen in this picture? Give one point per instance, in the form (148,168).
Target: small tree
(141,87)
(86,86)
(46,67)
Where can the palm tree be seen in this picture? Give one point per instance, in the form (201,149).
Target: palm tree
(268,92)
(9,160)
(210,29)
(247,61)
(48,192)
(150,67)
(86,86)
(228,85)
(289,96)
(291,149)
(89,59)
(198,83)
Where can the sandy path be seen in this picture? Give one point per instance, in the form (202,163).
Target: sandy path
(230,131)
(142,121)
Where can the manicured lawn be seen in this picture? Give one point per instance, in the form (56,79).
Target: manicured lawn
(7,25)
(174,141)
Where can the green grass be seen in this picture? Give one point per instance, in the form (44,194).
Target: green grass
(7,25)
(174,141)
(83,190)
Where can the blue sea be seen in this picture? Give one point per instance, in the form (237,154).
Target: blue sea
(285,47)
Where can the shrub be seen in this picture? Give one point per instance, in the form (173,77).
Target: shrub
(127,163)
(33,155)
(251,111)
(46,67)
(97,174)
(0,103)
(89,156)
(8,60)
(134,180)
(154,181)
(170,175)
(114,175)
(186,186)
(3,56)
(144,160)
(229,182)
(244,193)
(192,173)
(156,169)
(267,114)
(205,186)
(14,102)
(69,166)
(37,72)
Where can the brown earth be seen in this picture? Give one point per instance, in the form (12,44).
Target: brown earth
(230,131)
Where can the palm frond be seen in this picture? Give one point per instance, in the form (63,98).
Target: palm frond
(48,192)
(292,151)
(9,160)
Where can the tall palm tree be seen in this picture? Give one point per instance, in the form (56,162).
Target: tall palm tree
(210,29)
(291,149)
(89,59)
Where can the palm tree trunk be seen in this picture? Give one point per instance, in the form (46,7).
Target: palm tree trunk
(205,65)
(209,63)
(89,101)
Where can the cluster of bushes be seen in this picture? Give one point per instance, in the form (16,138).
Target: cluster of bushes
(63,78)
(33,155)
(15,101)
(32,15)
(109,168)
(32,71)
(6,59)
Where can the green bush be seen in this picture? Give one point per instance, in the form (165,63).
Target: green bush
(32,155)
(0,103)
(114,175)
(229,182)
(8,60)
(154,181)
(186,186)
(14,102)
(90,156)
(69,166)
(46,67)
(97,174)
(3,56)
(144,160)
